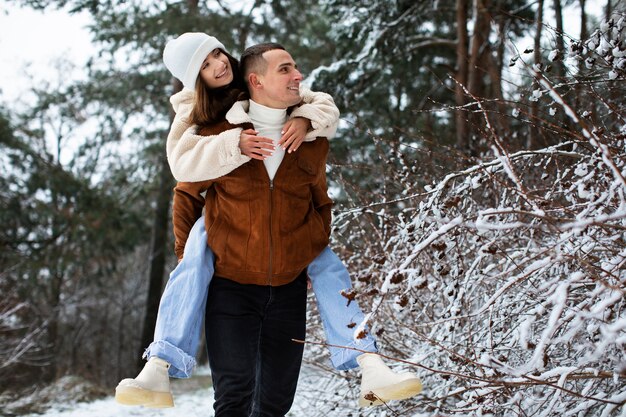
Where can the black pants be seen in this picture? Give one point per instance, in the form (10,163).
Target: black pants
(254,363)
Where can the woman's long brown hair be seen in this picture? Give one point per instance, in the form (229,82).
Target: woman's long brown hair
(212,104)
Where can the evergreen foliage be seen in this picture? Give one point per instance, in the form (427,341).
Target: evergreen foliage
(496,263)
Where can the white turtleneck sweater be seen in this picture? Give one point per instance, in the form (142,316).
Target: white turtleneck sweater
(269,122)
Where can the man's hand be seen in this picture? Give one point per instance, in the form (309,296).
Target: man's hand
(293,133)
(255,147)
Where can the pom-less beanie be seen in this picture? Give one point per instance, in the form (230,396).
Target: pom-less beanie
(184,55)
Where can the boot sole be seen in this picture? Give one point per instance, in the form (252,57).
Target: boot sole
(400,391)
(137,396)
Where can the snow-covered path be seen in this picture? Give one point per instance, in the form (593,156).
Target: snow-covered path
(316,396)
(192,398)
(198,403)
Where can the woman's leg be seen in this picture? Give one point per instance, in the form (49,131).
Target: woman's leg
(183,303)
(329,277)
(178,327)
(379,384)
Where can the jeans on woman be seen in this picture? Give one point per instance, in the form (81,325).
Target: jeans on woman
(183,303)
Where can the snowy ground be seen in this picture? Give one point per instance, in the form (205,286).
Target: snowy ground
(192,397)
(191,404)
(317,396)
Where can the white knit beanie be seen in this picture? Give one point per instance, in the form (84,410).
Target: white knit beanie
(184,55)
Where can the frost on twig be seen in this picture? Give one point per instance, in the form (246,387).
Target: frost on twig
(505,280)
(518,297)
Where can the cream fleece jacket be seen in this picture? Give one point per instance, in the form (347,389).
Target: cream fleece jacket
(198,158)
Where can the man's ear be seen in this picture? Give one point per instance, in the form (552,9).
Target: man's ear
(254,80)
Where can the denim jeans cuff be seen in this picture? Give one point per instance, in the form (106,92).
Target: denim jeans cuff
(181,364)
(345,358)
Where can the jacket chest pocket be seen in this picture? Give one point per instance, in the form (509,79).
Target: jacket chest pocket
(300,178)
(237,185)
(236,189)
(302,175)
(306,167)
(297,202)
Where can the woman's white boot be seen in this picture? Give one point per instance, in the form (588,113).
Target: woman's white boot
(151,388)
(380,384)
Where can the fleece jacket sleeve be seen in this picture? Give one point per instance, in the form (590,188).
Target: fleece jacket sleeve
(192,157)
(321,110)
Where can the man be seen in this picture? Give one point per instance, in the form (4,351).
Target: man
(265,221)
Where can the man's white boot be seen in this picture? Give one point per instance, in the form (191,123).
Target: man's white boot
(151,387)
(380,384)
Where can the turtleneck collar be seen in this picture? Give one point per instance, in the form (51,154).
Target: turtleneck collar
(267,114)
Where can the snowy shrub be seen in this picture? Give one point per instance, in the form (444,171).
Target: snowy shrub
(498,299)
(504,283)
(22,350)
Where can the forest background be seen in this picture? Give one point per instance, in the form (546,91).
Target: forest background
(478,174)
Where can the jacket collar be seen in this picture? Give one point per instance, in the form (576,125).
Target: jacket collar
(238,114)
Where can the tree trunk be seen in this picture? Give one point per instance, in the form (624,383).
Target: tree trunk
(583,21)
(478,50)
(461,118)
(193,6)
(613,92)
(502,124)
(581,65)
(158,247)
(560,42)
(559,66)
(533,136)
(55,335)
(159,235)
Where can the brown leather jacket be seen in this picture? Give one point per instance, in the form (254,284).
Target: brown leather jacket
(261,232)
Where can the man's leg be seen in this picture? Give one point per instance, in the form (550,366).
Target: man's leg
(329,277)
(233,327)
(281,357)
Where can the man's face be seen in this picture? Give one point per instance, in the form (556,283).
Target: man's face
(280,83)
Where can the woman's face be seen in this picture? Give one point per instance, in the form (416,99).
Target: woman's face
(216,70)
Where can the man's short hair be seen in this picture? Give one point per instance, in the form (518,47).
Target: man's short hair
(252,58)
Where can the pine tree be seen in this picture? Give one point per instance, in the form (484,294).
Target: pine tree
(105,246)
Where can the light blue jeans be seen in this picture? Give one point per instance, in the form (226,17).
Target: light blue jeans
(182,307)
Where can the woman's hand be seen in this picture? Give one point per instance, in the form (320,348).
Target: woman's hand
(255,147)
(293,133)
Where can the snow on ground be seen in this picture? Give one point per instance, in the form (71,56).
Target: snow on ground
(198,403)
(317,396)
(192,397)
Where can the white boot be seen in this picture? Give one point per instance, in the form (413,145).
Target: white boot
(151,387)
(379,383)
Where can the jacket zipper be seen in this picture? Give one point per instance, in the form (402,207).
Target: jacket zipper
(270,234)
